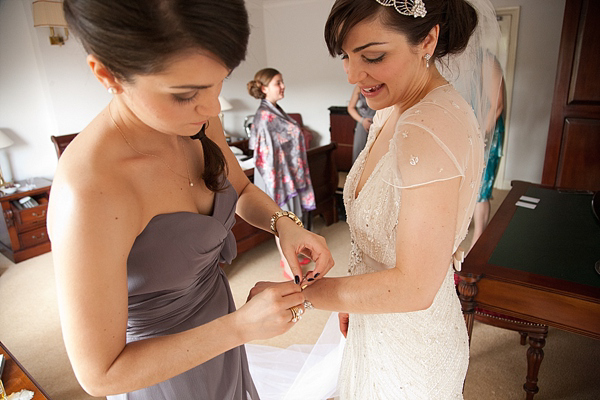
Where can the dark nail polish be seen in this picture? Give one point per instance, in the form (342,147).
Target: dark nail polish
(297,279)
(317,274)
(310,279)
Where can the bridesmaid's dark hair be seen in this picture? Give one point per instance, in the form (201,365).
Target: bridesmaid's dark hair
(261,79)
(141,37)
(457,20)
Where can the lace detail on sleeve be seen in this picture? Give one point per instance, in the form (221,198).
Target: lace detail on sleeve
(435,140)
(421,156)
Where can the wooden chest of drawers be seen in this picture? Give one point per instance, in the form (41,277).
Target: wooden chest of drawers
(23,230)
(342,132)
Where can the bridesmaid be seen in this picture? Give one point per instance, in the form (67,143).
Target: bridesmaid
(142,207)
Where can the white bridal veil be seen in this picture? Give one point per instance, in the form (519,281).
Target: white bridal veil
(475,72)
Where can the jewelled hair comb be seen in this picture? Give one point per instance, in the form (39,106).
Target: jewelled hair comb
(414,8)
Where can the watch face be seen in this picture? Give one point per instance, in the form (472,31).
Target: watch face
(598,267)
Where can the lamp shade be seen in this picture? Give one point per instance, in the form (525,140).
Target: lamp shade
(225,105)
(5,141)
(48,13)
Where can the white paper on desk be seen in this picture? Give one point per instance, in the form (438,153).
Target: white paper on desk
(530,199)
(526,205)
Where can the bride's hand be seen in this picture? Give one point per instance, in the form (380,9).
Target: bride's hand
(267,313)
(344,321)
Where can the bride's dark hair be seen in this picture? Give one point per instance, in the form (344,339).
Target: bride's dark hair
(457,20)
(141,37)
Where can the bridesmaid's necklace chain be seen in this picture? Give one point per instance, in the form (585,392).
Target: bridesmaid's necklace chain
(154,155)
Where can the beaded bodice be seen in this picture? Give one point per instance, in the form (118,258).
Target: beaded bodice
(437,139)
(421,354)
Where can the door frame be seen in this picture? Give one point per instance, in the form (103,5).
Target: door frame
(507,58)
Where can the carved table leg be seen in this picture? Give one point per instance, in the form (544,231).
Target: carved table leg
(467,289)
(535,355)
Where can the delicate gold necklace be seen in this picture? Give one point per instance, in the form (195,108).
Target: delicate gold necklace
(154,155)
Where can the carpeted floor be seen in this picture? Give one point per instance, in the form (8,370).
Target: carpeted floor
(29,327)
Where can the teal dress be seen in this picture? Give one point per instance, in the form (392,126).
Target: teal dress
(491,168)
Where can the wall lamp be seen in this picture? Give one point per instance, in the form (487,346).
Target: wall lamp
(50,14)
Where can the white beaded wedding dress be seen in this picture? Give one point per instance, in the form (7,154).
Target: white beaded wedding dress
(422,354)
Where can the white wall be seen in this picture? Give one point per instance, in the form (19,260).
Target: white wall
(234,88)
(48,90)
(315,81)
(22,102)
(540,26)
(45,90)
(295,46)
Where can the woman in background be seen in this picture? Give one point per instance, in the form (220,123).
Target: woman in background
(281,168)
(494,124)
(142,207)
(363,115)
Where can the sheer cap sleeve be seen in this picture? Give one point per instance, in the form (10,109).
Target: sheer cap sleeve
(432,142)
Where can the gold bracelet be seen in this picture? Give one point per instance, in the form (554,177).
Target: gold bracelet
(288,214)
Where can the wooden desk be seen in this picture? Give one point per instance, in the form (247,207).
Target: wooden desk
(16,378)
(563,291)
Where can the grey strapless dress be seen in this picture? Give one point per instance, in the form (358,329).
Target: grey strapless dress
(175,283)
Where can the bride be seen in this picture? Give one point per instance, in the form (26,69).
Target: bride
(410,195)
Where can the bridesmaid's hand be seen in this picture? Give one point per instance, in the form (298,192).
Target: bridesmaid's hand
(366,123)
(259,287)
(344,321)
(295,240)
(267,313)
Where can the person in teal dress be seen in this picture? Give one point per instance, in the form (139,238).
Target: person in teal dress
(483,207)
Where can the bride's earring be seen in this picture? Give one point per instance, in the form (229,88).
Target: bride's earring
(427,57)
(112,90)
